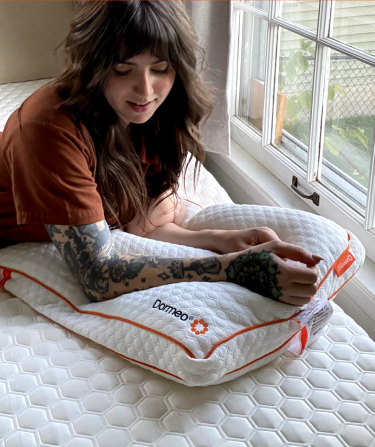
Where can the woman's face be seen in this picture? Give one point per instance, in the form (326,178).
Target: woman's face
(138,86)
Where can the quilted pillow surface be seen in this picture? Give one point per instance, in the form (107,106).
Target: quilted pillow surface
(194,333)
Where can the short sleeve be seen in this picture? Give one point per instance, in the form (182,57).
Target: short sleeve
(53,180)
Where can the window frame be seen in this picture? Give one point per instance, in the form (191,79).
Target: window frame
(261,147)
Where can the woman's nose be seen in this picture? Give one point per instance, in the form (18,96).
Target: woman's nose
(143,87)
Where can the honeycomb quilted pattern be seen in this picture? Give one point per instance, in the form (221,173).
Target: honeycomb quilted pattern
(206,192)
(60,389)
(14,94)
(315,233)
(198,333)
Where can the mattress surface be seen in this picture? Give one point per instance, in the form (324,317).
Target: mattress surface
(58,388)
(14,94)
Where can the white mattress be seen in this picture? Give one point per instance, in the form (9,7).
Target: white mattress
(12,96)
(58,388)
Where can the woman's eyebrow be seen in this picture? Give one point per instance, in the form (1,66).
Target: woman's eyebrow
(157,61)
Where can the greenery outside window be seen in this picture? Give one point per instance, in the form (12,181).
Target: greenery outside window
(303,100)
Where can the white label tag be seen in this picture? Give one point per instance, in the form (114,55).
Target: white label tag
(313,318)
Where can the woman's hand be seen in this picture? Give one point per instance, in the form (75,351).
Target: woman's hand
(232,241)
(263,270)
(104,273)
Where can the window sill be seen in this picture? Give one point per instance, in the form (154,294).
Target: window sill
(254,181)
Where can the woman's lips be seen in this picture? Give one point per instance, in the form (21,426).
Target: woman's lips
(136,108)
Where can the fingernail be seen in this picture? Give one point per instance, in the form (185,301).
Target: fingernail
(317,258)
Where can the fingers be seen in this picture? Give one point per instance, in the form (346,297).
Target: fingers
(302,290)
(298,283)
(302,275)
(262,235)
(294,284)
(298,294)
(233,241)
(294,253)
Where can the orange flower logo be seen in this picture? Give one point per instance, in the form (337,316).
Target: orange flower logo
(199,327)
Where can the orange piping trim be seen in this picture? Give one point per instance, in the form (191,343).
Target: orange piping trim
(276,321)
(98,314)
(332,266)
(265,355)
(187,200)
(248,329)
(338,290)
(175,341)
(145,364)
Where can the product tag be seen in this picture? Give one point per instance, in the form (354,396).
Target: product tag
(313,318)
(5,274)
(344,262)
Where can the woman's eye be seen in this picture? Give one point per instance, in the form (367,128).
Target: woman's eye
(125,73)
(161,71)
(121,73)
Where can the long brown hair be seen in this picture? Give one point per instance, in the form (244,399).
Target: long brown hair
(103,33)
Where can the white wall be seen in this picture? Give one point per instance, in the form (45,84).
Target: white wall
(29,33)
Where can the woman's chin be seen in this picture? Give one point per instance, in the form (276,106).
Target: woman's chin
(140,119)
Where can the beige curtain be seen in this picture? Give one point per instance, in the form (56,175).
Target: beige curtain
(211,20)
(29,33)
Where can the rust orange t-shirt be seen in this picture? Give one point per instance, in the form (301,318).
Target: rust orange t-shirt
(47,171)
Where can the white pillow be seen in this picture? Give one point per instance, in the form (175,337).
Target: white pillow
(193,333)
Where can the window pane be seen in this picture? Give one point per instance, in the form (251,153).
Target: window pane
(263,5)
(296,69)
(354,24)
(251,97)
(350,123)
(304,13)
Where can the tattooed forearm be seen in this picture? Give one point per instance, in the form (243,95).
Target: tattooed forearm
(52,230)
(176,267)
(257,272)
(104,273)
(84,249)
(94,237)
(97,237)
(121,270)
(205,265)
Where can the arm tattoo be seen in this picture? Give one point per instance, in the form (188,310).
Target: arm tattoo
(177,269)
(52,230)
(89,254)
(257,272)
(205,265)
(85,249)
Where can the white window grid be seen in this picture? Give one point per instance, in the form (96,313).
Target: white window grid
(364,227)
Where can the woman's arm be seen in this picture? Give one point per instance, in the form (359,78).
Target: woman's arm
(159,226)
(104,273)
(219,241)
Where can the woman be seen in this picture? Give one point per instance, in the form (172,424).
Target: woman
(104,147)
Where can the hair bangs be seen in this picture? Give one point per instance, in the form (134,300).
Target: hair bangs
(146,32)
(102,34)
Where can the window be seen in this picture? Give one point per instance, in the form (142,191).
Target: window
(303,101)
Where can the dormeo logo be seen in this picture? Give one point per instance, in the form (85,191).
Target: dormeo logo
(171,310)
(199,327)
(344,262)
